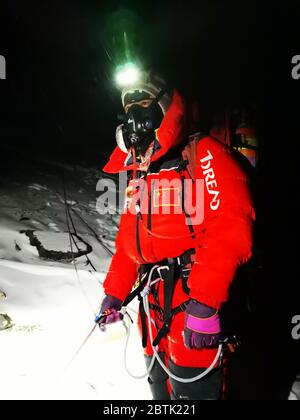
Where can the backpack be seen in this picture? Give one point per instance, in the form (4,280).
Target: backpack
(189,153)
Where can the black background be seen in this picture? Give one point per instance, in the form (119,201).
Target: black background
(60,75)
(59,91)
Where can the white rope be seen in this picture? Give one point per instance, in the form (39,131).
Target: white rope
(169,373)
(134,376)
(144,293)
(155,352)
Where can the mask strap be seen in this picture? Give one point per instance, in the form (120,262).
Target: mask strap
(158,97)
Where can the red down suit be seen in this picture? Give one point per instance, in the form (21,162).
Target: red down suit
(222,235)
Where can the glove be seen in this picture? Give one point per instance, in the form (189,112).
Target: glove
(202,326)
(109,311)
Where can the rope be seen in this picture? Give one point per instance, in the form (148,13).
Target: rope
(75,232)
(108,250)
(155,352)
(72,250)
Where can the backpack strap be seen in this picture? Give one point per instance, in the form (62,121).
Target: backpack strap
(189,153)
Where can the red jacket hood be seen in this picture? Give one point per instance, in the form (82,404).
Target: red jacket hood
(169,134)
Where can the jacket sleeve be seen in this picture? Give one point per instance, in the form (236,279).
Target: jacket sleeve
(225,237)
(122,273)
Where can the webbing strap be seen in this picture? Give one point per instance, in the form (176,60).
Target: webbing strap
(135,293)
(166,326)
(144,323)
(169,278)
(169,282)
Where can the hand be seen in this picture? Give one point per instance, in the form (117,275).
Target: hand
(202,326)
(109,311)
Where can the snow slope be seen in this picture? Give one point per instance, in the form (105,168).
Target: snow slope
(51,306)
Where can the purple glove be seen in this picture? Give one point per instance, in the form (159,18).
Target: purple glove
(202,326)
(109,312)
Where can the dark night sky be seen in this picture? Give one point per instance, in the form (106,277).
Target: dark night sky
(60,78)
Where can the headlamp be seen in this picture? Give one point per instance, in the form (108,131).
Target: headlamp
(127,75)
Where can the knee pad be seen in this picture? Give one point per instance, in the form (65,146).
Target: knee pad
(158,379)
(208,388)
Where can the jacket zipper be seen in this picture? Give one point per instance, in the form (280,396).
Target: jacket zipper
(138,241)
(149,216)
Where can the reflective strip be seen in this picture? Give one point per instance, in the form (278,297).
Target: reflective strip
(204,325)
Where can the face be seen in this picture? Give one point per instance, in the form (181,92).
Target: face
(142,119)
(143,103)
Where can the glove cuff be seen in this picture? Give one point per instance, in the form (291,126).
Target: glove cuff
(111,302)
(204,325)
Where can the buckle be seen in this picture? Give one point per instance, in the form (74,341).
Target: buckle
(185,258)
(163,267)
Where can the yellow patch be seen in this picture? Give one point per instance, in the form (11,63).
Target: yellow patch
(166,197)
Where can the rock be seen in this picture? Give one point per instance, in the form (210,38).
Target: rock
(2,296)
(55,246)
(5,322)
(17,247)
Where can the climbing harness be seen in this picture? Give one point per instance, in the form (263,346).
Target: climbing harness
(169,271)
(144,294)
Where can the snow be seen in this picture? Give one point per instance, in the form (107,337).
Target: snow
(295,391)
(52,307)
